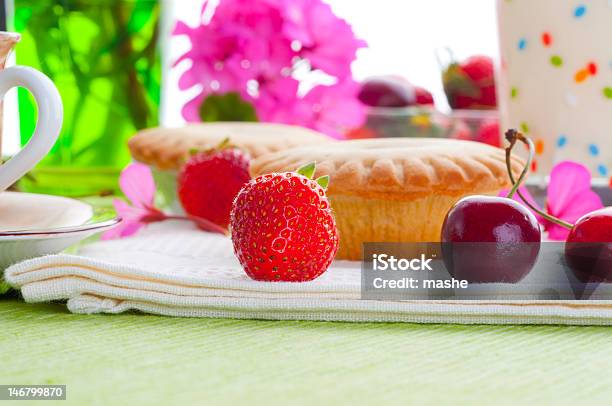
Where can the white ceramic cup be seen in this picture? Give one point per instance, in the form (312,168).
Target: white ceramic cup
(50,114)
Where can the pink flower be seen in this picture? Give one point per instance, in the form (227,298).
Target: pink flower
(262,51)
(241,42)
(277,99)
(136,182)
(334,109)
(330,109)
(211,62)
(327,41)
(569,197)
(191,109)
(254,47)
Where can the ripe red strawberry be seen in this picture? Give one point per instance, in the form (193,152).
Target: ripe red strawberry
(461,131)
(282,227)
(488,133)
(422,96)
(470,84)
(209,182)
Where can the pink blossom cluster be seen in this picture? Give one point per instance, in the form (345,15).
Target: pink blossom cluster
(257,47)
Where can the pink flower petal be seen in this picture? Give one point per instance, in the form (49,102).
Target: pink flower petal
(587,202)
(556,232)
(335,108)
(136,182)
(328,41)
(131,213)
(191,109)
(123,229)
(569,196)
(181,29)
(188,80)
(568,181)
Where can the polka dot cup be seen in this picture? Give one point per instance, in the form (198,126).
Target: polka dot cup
(555,81)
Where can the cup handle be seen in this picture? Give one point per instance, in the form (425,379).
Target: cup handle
(48,126)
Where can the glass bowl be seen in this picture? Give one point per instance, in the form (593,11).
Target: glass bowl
(424,121)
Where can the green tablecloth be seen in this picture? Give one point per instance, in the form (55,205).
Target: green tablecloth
(145,359)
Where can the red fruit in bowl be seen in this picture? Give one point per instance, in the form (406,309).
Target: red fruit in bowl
(423,97)
(360,133)
(209,182)
(461,131)
(470,84)
(282,227)
(490,239)
(387,91)
(588,249)
(488,133)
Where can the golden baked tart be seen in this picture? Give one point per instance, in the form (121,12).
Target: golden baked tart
(395,189)
(167,148)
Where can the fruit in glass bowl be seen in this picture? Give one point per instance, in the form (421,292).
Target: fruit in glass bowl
(475,125)
(392,91)
(387,91)
(470,84)
(396,108)
(426,121)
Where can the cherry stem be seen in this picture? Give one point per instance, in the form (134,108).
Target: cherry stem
(512,136)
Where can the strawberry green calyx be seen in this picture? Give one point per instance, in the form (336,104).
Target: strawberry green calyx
(224,144)
(323,181)
(456,81)
(221,146)
(307,170)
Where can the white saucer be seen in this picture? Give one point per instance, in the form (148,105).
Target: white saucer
(33,225)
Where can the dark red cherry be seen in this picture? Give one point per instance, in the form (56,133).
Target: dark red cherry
(588,250)
(387,91)
(490,239)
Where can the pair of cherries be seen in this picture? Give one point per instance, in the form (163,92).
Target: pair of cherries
(496,239)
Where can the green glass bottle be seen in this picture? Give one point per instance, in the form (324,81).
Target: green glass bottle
(104,58)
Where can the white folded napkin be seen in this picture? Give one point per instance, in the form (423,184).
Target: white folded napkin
(173,269)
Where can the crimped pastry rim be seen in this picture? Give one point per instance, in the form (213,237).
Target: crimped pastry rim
(399,168)
(167,148)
